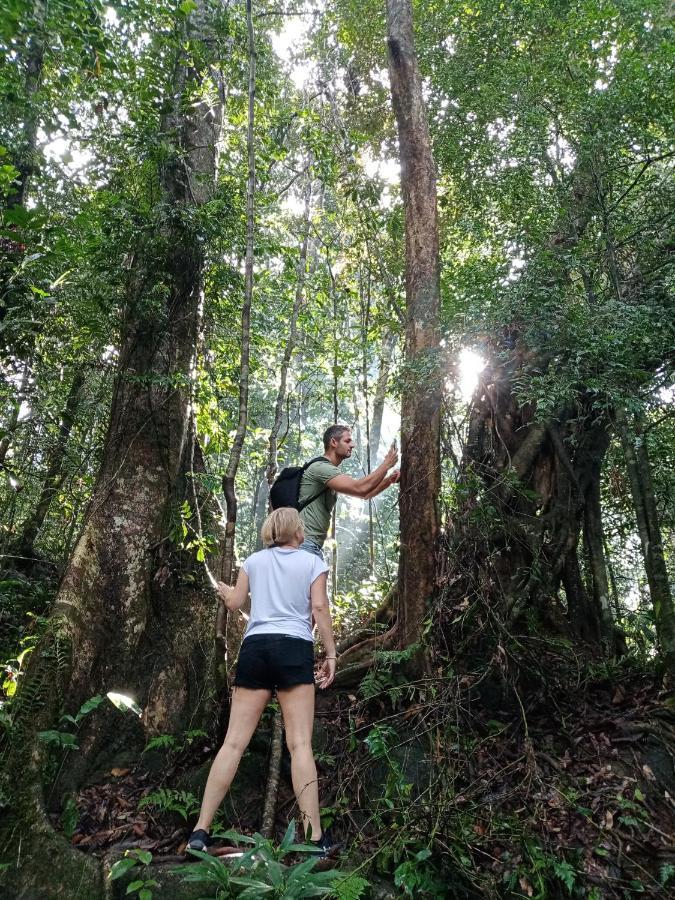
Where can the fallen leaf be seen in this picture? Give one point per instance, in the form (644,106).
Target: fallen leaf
(119,773)
(609,820)
(647,772)
(526,886)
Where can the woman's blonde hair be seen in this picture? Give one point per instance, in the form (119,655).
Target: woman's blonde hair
(281,526)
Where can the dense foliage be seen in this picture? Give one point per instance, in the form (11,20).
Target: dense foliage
(553,131)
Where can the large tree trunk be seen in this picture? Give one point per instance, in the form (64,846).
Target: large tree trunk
(526,484)
(421,386)
(638,466)
(123,619)
(421,394)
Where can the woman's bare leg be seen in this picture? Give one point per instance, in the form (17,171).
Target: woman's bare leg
(297,708)
(245,711)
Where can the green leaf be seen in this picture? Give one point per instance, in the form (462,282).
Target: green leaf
(564,871)
(144,855)
(61,738)
(122,866)
(135,885)
(187,6)
(89,706)
(351,888)
(289,836)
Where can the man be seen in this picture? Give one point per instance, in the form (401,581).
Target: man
(338,445)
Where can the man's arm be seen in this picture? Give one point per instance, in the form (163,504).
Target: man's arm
(234,597)
(361,487)
(384,484)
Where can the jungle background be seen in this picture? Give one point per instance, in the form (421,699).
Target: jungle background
(218,236)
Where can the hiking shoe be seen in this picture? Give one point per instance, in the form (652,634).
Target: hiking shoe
(199,840)
(328,847)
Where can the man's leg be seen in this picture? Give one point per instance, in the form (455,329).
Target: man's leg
(247,707)
(297,708)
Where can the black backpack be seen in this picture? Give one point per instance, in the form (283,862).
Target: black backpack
(286,489)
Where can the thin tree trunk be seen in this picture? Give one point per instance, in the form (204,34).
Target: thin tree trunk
(642,488)
(301,272)
(13,422)
(365,327)
(421,391)
(238,443)
(274,769)
(226,638)
(594,540)
(26,161)
(54,475)
(388,344)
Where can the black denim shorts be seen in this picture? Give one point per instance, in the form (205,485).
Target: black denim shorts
(274,661)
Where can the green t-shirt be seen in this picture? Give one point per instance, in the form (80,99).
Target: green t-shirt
(316,516)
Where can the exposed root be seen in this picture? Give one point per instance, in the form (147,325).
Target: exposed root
(355,662)
(383,615)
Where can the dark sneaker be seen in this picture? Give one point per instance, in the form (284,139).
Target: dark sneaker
(328,847)
(199,840)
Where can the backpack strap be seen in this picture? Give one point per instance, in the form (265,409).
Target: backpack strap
(305,503)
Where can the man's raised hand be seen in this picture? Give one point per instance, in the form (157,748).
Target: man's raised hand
(392,456)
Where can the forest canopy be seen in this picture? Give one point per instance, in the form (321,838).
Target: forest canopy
(225,226)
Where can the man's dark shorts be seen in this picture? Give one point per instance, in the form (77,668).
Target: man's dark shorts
(274,661)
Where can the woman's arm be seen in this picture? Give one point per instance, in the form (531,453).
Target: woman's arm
(321,613)
(234,597)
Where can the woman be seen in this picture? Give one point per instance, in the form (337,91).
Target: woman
(287,587)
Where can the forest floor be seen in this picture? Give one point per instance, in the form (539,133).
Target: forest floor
(454,787)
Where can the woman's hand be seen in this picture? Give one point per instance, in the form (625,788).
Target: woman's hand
(326,673)
(224,591)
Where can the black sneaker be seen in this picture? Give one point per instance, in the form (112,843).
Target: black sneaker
(199,840)
(328,847)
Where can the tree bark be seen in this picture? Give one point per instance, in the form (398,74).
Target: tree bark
(597,561)
(421,392)
(638,466)
(238,443)
(273,772)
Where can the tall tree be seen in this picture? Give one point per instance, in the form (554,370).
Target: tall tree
(129,623)
(240,435)
(421,394)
